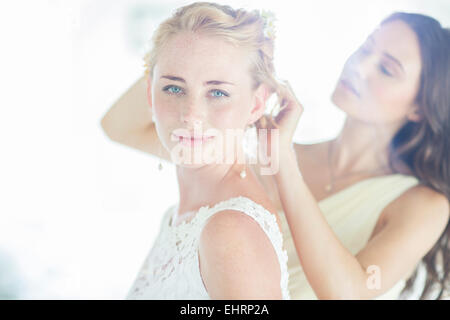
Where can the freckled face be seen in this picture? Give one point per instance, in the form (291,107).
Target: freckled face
(200,81)
(380,81)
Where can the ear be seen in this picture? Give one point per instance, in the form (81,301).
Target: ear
(261,95)
(415,114)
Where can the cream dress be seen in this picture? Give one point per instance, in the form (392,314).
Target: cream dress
(352,213)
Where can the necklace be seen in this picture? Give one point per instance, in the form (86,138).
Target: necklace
(329,187)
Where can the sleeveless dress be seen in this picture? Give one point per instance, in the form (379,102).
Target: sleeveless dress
(171,269)
(352,213)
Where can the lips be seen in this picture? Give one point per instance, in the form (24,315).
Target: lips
(191,139)
(194,137)
(348,85)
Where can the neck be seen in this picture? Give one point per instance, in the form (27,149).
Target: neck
(196,185)
(362,146)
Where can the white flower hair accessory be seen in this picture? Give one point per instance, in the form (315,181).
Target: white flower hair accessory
(269,24)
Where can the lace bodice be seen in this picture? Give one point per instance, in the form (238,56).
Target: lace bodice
(171,269)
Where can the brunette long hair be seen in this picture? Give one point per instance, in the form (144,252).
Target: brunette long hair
(425,146)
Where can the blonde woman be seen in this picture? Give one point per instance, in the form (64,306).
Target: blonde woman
(210,72)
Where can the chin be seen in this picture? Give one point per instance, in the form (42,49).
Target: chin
(346,103)
(339,100)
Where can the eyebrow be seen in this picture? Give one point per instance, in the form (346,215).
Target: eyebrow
(210,82)
(387,55)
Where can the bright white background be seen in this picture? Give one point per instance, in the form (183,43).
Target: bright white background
(78,213)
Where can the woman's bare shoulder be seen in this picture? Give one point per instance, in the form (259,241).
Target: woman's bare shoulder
(421,200)
(235,254)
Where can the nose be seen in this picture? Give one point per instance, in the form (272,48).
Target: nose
(361,65)
(192,114)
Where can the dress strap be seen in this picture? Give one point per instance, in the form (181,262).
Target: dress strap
(396,186)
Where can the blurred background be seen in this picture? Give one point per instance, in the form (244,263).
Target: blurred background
(78,212)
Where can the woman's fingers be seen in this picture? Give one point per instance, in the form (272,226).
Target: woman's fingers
(288,115)
(293,98)
(290,107)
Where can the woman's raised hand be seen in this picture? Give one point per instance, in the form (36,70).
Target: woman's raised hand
(285,121)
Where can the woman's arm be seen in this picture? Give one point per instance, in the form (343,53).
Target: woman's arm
(237,259)
(413,225)
(129,121)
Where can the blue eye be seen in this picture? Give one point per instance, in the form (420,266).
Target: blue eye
(218,94)
(172,89)
(384,70)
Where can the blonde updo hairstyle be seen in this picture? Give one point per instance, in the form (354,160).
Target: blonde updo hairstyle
(244,29)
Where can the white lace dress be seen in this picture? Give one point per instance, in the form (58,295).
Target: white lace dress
(171,269)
